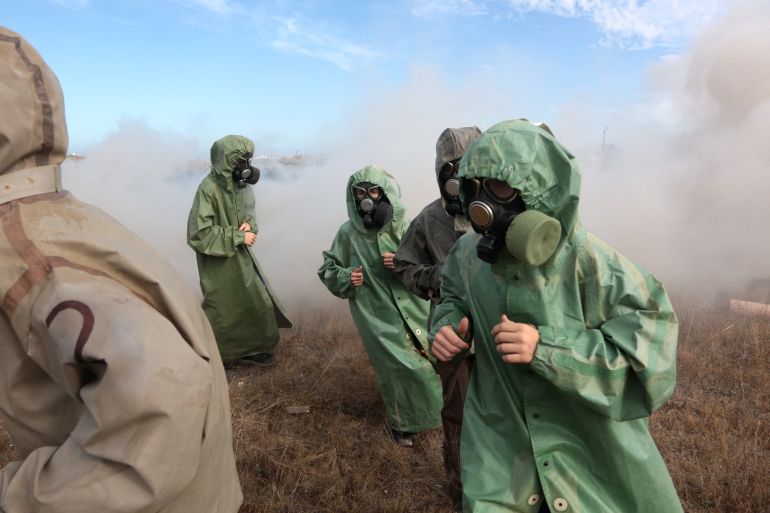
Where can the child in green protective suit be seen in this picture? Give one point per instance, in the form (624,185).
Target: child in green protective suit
(242,308)
(575,344)
(390,319)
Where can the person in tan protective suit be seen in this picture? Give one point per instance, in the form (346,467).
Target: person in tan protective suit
(112,387)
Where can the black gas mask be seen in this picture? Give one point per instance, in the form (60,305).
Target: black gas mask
(496,211)
(450,187)
(243,172)
(491,205)
(372,205)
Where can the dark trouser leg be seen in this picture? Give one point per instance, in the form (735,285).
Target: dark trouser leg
(454,380)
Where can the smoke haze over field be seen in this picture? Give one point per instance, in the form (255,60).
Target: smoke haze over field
(681,186)
(686,191)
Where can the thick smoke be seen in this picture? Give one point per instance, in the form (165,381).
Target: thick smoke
(300,217)
(143,178)
(680,186)
(684,187)
(147,179)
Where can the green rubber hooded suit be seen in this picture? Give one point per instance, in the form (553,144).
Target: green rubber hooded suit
(237,298)
(571,427)
(391,320)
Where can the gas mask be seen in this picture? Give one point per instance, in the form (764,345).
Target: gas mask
(497,212)
(372,205)
(450,188)
(243,172)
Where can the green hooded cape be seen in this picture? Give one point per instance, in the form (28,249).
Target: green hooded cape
(237,298)
(571,427)
(390,319)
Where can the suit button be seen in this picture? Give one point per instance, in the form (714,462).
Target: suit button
(560,504)
(533,499)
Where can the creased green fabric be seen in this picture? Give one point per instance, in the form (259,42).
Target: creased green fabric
(237,298)
(391,320)
(571,426)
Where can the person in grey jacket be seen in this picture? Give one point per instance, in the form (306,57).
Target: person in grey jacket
(418,265)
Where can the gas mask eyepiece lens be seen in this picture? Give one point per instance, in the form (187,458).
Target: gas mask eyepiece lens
(499,190)
(481,214)
(450,169)
(374,192)
(452,187)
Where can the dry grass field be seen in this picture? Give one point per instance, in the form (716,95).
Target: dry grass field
(714,433)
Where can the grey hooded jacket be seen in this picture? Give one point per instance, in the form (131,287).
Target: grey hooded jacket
(432,233)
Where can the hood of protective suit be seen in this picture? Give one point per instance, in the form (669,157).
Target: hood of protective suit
(531,160)
(224,153)
(452,144)
(112,386)
(33,131)
(377,176)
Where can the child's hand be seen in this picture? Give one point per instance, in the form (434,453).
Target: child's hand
(357,276)
(387,260)
(516,341)
(245,227)
(449,342)
(249,238)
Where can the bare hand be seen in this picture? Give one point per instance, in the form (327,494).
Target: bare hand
(449,342)
(245,227)
(516,341)
(387,260)
(249,238)
(357,276)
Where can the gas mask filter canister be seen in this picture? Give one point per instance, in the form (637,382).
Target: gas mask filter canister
(532,237)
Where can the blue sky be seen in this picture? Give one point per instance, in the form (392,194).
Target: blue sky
(287,72)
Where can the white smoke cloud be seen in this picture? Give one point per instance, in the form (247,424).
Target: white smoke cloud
(396,130)
(141,177)
(681,186)
(685,190)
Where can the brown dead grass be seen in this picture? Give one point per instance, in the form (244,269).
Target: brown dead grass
(6,446)
(338,457)
(714,433)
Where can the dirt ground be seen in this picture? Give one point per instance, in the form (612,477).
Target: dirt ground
(714,433)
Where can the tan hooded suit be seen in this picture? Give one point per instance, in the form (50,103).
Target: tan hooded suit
(111,385)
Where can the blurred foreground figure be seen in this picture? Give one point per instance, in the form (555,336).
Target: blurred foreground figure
(112,388)
(418,264)
(575,344)
(237,299)
(391,320)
